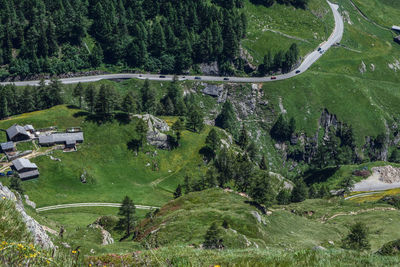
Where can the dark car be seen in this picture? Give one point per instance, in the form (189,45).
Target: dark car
(226,79)
(297,71)
(319,48)
(162,76)
(9,173)
(2,174)
(197,78)
(273,78)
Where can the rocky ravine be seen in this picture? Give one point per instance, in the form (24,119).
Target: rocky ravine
(39,234)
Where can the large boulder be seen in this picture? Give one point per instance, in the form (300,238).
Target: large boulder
(39,234)
(155,134)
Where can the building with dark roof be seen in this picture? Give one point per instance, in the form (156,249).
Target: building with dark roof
(67,139)
(396,28)
(17,133)
(7,147)
(25,168)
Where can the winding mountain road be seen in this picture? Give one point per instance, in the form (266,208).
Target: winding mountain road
(79,205)
(308,61)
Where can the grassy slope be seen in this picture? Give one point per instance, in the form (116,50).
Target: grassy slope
(116,172)
(366,101)
(184,256)
(185,221)
(383,12)
(312,26)
(12,228)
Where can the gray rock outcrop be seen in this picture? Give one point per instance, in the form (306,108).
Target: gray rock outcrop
(155,134)
(39,234)
(210,68)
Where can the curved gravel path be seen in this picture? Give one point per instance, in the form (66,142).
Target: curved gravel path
(79,205)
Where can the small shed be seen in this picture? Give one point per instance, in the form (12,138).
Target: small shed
(7,147)
(17,133)
(29,128)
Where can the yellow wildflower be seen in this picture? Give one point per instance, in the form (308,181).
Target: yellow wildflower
(4,198)
(74,252)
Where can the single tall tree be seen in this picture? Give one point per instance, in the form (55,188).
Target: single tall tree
(213,238)
(357,238)
(79,92)
(127,213)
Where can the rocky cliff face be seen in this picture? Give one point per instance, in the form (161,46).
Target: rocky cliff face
(40,236)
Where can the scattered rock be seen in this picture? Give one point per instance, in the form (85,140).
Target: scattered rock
(372,67)
(29,202)
(258,217)
(362,68)
(107,238)
(388,174)
(331,242)
(209,68)
(66,245)
(319,248)
(83,177)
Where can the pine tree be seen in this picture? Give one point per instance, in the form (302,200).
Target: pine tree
(357,238)
(243,138)
(263,163)
(149,98)
(299,192)
(96,57)
(129,104)
(3,106)
(313,192)
(79,92)
(178,191)
(347,184)
(195,119)
(261,190)
(213,141)
(127,212)
(324,192)
(90,97)
(213,238)
(16,185)
(283,197)
(226,119)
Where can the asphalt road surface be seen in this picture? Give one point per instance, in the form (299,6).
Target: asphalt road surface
(310,59)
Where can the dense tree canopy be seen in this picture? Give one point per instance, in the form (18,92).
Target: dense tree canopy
(42,36)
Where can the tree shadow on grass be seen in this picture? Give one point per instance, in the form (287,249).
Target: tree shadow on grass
(73,107)
(318,176)
(123,118)
(81,114)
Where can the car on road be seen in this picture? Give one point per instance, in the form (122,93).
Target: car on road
(140,75)
(297,71)
(319,49)
(273,78)
(162,76)
(226,79)
(197,78)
